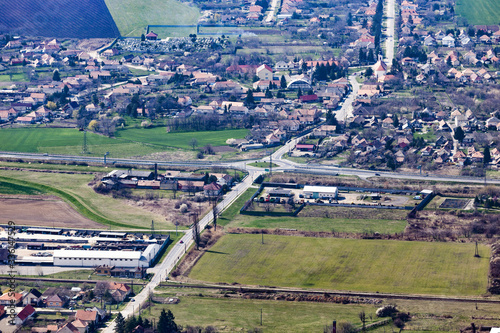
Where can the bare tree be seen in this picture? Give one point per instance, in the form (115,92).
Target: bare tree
(215,210)
(196,230)
(193,143)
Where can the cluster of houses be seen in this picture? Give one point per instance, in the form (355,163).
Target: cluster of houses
(33,300)
(210,185)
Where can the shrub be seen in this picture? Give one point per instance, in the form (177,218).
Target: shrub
(184,208)
(386,311)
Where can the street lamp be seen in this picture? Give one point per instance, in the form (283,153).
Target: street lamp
(105,154)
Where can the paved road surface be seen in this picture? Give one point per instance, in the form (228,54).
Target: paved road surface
(389,42)
(272,9)
(177,251)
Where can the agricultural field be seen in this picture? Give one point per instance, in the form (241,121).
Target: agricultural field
(346,264)
(278,316)
(58,18)
(129,142)
(479,11)
(44,211)
(235,315)
(74,189)
(132,17)
(337,225)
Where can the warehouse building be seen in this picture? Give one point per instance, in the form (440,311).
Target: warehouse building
(93,258)
(321,192)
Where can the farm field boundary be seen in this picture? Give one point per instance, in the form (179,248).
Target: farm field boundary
(75,202)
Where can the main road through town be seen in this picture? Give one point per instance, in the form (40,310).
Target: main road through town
(390,32)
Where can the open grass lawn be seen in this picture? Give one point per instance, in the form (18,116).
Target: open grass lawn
(346,264)
(159,136)
(129,142)
(74,189)
(479,11)
(281,316)
(132,16)
(234,210)
(277,316)
(10,188)
(263,165)
(338,219)
(320,224)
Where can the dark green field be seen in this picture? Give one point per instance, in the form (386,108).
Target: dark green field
(128,142)
(479,11)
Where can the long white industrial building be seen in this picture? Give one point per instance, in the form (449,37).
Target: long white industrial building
(92,258)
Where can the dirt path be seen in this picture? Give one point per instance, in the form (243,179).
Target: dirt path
(43,211)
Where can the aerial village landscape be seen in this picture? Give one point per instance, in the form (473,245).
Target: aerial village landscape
(249,166)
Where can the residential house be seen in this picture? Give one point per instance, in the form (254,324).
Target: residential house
(68,328)
(14,298)
(81,326)
(492,122)
(212,190)
(88,316)
(33,297)
(264,72)
(26,313)
(56,301)
(118,291)
(477,157)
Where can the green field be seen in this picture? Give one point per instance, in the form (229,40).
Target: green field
(263,165)
(338,219)
(158,136)
(479,11)
(346,264)
(238,315)
(74,189)
(132,17)
(129,142)
(10,188)
(320,224)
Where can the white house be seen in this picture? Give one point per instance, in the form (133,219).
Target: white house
(448,41)
(264,72)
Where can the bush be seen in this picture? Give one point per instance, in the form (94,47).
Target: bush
(200,155)
(386,311)
(184,208)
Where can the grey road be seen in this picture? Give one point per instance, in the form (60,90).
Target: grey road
(389,41)
(177,251)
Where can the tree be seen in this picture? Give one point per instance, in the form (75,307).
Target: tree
(487,155)
(56,76)
(215,210)
(51,105)
(166,323)
(459,134)
(193,143)
(143,38)
(299,93)
(120,323)
(362,317)
(249,100)
(93,125)
(268,93)
(283,82)
(395,121)
(369,72)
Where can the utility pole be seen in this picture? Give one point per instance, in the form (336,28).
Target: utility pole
(152,227)
(271,164)
(84,147)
